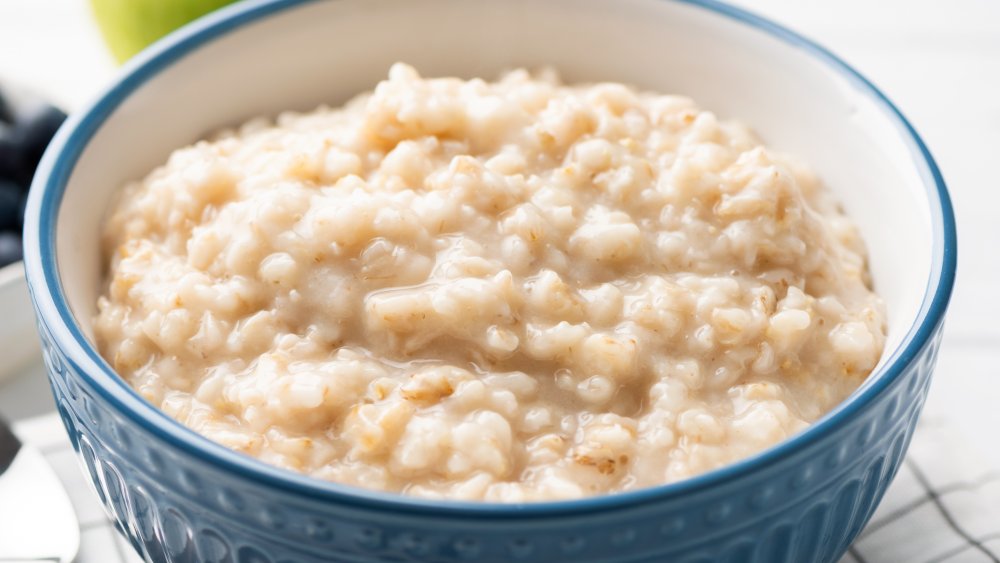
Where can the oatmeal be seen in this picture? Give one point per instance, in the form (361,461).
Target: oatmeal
(509,291)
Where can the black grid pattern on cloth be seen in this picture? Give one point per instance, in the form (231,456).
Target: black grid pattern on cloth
(954,542)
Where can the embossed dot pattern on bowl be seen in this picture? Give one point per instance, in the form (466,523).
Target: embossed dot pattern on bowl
(319,531)
(520,548)
(176,532)
(719,513)
(212,548)
(838,456)
(153,460)
(189,482)
(467,548)
(370,537)
(573,544)
(231,501)
(273,519)
(801,480)
(673,527)
(624,537)
(762,497)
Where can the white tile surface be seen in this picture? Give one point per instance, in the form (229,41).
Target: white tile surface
(53,47)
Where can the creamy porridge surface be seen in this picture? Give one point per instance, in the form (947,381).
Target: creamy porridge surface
(505,291)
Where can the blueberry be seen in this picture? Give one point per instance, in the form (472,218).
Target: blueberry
(10,206)
(10,154)
(33,131)
(21,208)
(27,124)
(10,248)
(6,113)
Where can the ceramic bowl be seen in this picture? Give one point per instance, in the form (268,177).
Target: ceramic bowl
(180,497)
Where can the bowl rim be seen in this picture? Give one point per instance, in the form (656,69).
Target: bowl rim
(51,306)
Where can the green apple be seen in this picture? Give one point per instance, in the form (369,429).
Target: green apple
(129,25)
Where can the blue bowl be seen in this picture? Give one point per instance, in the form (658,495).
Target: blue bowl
(179,497)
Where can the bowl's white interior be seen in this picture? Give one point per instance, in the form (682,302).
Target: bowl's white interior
(327,51)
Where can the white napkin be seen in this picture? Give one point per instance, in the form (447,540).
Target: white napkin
(943,506)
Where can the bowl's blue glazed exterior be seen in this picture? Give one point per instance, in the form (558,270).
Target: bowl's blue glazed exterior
(180,498)
(801,507)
